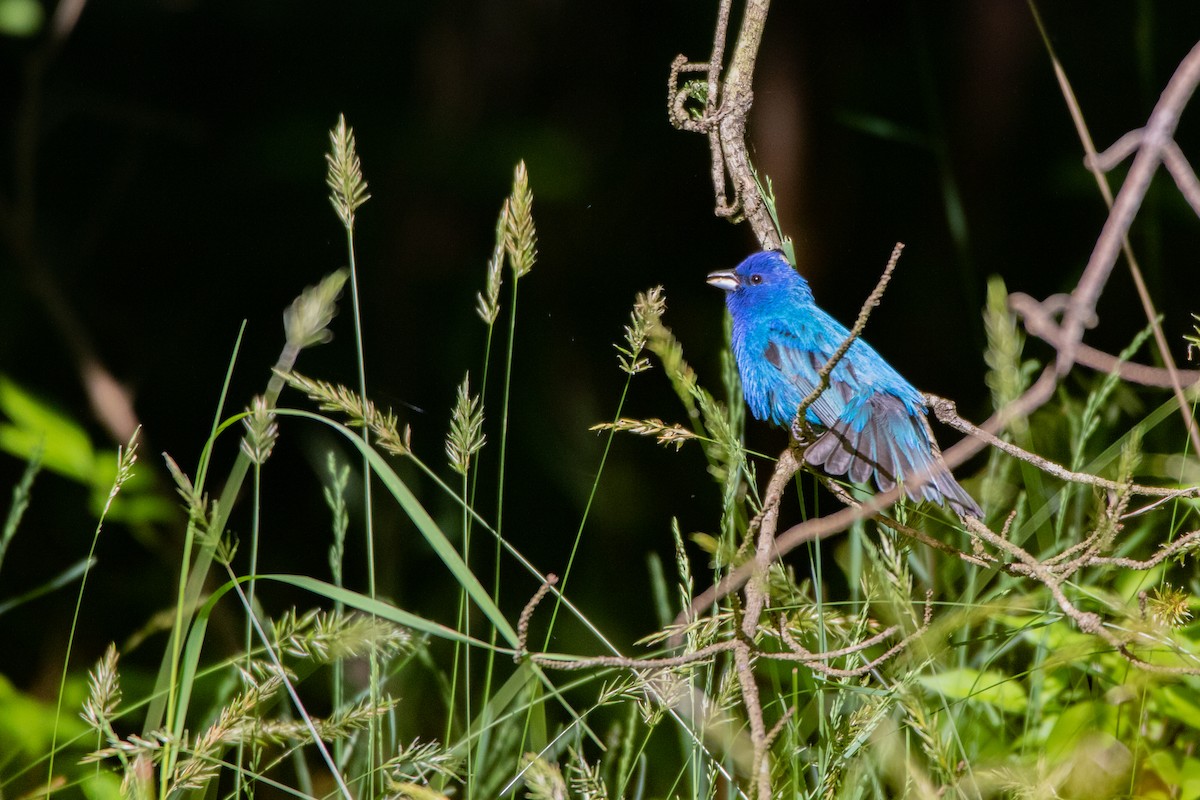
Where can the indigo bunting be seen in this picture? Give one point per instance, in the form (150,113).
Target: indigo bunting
(872,421)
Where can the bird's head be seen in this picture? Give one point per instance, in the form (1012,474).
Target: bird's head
(762,279)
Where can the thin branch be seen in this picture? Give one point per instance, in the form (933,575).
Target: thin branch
(860,324)
(1172,157)
(1156,138)
(572,663)
(724,122)
(946,412)
(1184,543)
(1039,321)
(1185,177)
(1117,152)
(1159,129)
(767,522)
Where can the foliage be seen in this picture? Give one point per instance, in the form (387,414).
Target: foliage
(916,655)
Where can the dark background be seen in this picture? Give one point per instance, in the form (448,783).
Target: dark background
(180,189)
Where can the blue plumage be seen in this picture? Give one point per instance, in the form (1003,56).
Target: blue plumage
(873,420)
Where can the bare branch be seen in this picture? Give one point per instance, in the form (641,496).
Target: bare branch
(860,324)
(1185,178)
(724,120)
(1172,157)
(1153,143)
(1117,152)
(1038,321)
(767,522)
(1159,130)
(946,412)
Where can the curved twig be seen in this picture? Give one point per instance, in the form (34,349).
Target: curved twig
(1155,146)
(724,121)
(1159,130)
(1038,320)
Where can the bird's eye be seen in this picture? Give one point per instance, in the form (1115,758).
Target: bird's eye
(756,279)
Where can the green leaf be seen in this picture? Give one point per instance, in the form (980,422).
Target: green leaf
(1077,722)
(100,785)
(27,724)
(1189,779)
(991,687)
(67,449)
(1181,708)
(21,17)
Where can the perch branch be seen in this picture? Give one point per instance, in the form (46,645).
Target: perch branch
(946,412)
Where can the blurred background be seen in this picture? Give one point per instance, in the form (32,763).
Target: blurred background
(162,181)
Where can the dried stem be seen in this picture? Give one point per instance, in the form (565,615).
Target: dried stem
(946,412)
(1155,144)
(1038,319)
(723,120)
(860,324)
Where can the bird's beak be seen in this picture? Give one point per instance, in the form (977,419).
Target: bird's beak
(724,279)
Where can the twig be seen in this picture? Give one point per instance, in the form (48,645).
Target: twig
(572,663)
(946,412)
(1175,548)
(768,520)
(1172,157)
(743,664)
(724,121)
(860,324)
(745,653)
(1087,621)
(527,613)
(1155,139)
(1031,400)
(1038,321)
(1159,129)
(1185,178)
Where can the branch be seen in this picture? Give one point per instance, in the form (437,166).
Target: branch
(1038,321)
(1155,145)
(725,122)
(946,412)
(1159,130)
(745,653)
(1172,158)
(860,324)
(767,522)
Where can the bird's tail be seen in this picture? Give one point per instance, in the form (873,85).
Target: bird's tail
(882,438)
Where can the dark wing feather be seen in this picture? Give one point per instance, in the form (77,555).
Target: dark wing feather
(799,355)
(880,437)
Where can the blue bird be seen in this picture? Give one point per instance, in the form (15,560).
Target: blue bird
(872,420)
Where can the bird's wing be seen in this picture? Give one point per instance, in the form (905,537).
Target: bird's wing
(881,436)
(799,355)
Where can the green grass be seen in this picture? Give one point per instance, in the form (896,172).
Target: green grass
(885,668)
